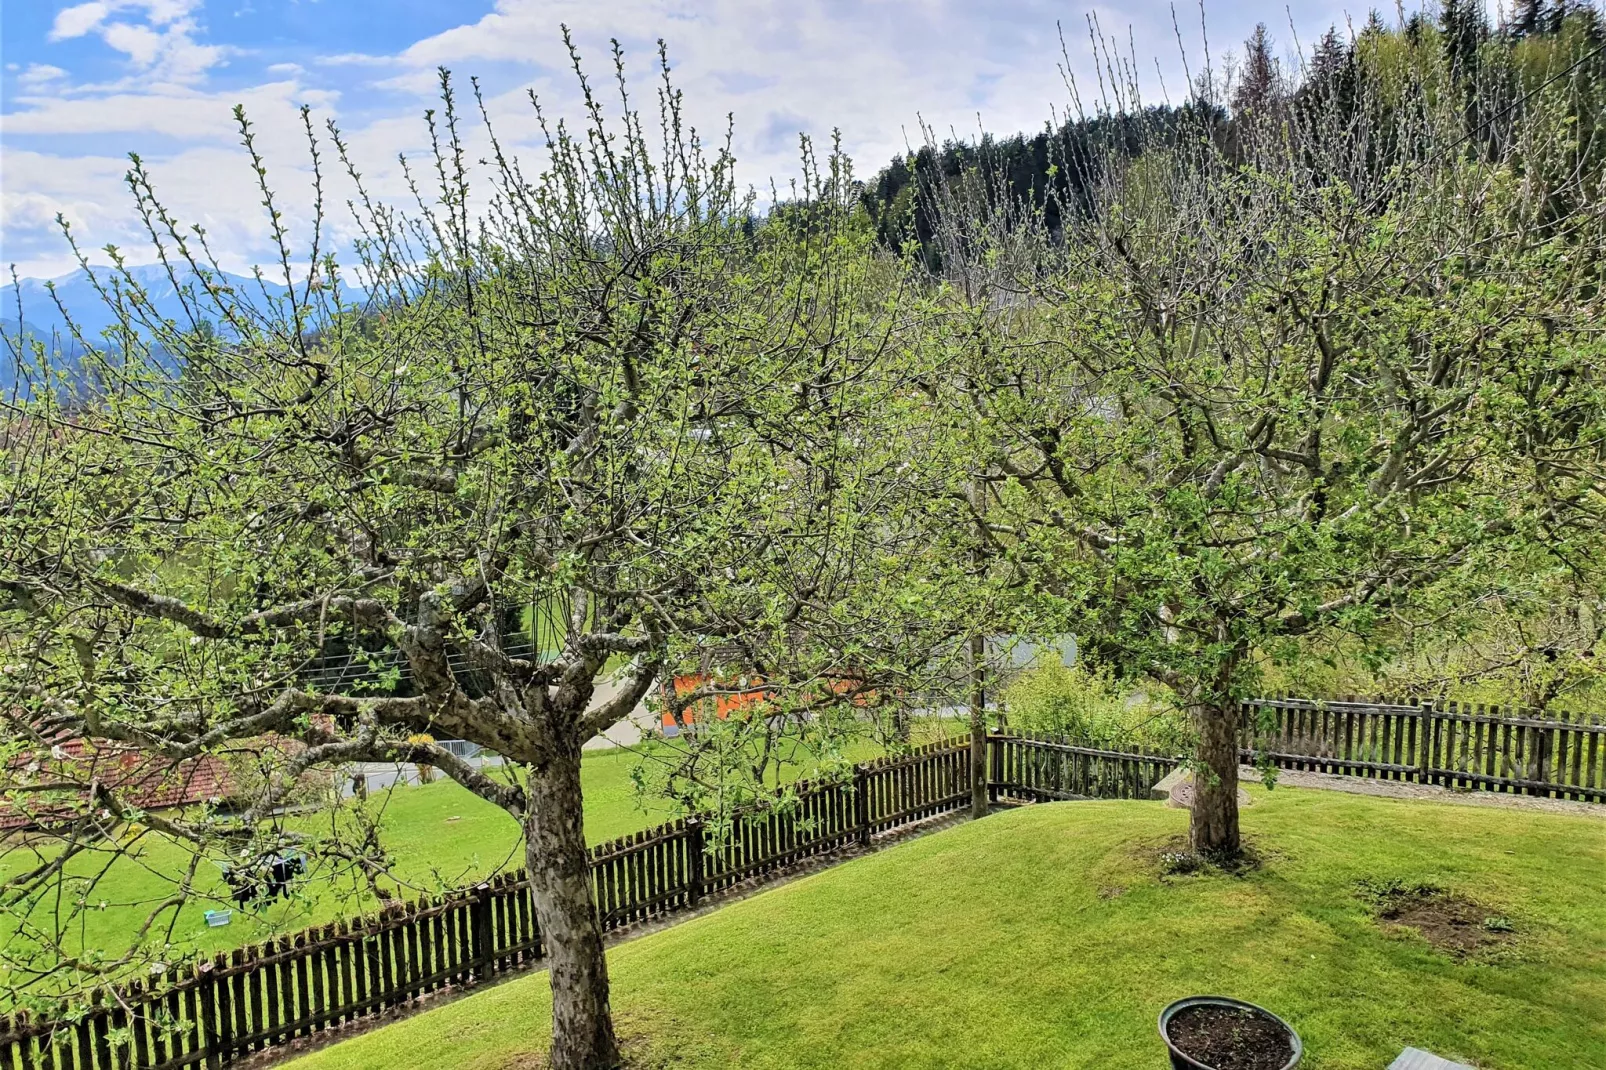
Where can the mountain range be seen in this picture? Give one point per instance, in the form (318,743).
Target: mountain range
(77,293)
(42,319)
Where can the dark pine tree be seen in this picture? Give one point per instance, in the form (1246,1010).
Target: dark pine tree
(1465,27)
(1526,18)
(1257,82)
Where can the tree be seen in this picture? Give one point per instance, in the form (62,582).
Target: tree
(1465,27)
(1525,18)
(1258,79)
(1243,412)
(1329,59)
(614,394)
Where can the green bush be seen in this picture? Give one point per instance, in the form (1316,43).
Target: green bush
(1091,708)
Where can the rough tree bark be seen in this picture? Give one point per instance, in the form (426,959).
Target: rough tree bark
(1213,829)
(560,877)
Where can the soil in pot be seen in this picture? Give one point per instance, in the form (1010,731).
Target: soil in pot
(1230,1038)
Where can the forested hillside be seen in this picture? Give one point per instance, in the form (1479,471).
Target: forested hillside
(1497,70)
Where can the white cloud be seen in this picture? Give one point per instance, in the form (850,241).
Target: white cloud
(157,36)
(141,43)
(178,113)
(419,81)
(40,74)
(164,11)
(77,21)
(356,59)
(211,187)
(875,70)
(80,19)
(872,70)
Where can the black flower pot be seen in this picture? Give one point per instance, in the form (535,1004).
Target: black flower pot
(1182,1061)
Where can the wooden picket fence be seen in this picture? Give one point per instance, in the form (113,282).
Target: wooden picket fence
(1041,770)
(1459,745)
(256,998)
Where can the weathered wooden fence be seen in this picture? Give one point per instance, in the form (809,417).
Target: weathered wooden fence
(1042,770)
(1461,745)
(263,996)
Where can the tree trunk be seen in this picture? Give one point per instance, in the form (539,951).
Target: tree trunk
(1214,826)
(978,727)
(560,876)
(900,724)
(978,668)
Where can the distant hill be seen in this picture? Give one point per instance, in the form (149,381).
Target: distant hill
(42,318)
(17,340)
(76,291)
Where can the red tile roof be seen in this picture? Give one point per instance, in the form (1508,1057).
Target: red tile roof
(137,777)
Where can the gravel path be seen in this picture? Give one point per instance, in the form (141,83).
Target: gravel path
(1399,789)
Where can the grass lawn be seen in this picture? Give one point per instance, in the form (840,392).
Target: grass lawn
(439,836)
(1047,937)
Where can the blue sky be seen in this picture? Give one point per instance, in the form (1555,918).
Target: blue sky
(84,83)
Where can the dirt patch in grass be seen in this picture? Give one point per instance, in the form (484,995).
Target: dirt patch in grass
(635,1058)
(638,1044)
(1451,923)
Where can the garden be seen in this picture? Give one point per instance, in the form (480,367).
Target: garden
(1131,588)
(440,835)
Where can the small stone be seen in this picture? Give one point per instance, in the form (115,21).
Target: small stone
(1162,788)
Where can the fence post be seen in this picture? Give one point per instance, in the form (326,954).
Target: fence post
(861,804)
(1423,757)
(694,861)
(995,765)
(1541,756)
(480,922)
(212,1039)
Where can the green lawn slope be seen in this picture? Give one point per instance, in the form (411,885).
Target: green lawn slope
(438,835)
(1048,937)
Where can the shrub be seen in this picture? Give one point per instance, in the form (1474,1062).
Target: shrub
(1089,706)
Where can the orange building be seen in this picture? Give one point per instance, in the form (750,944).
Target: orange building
(742,697)
(748,692)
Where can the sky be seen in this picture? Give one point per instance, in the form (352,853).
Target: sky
(84,84)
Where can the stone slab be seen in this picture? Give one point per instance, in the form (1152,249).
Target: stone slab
(1417,1059)
(1176,788)
(1162,787)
